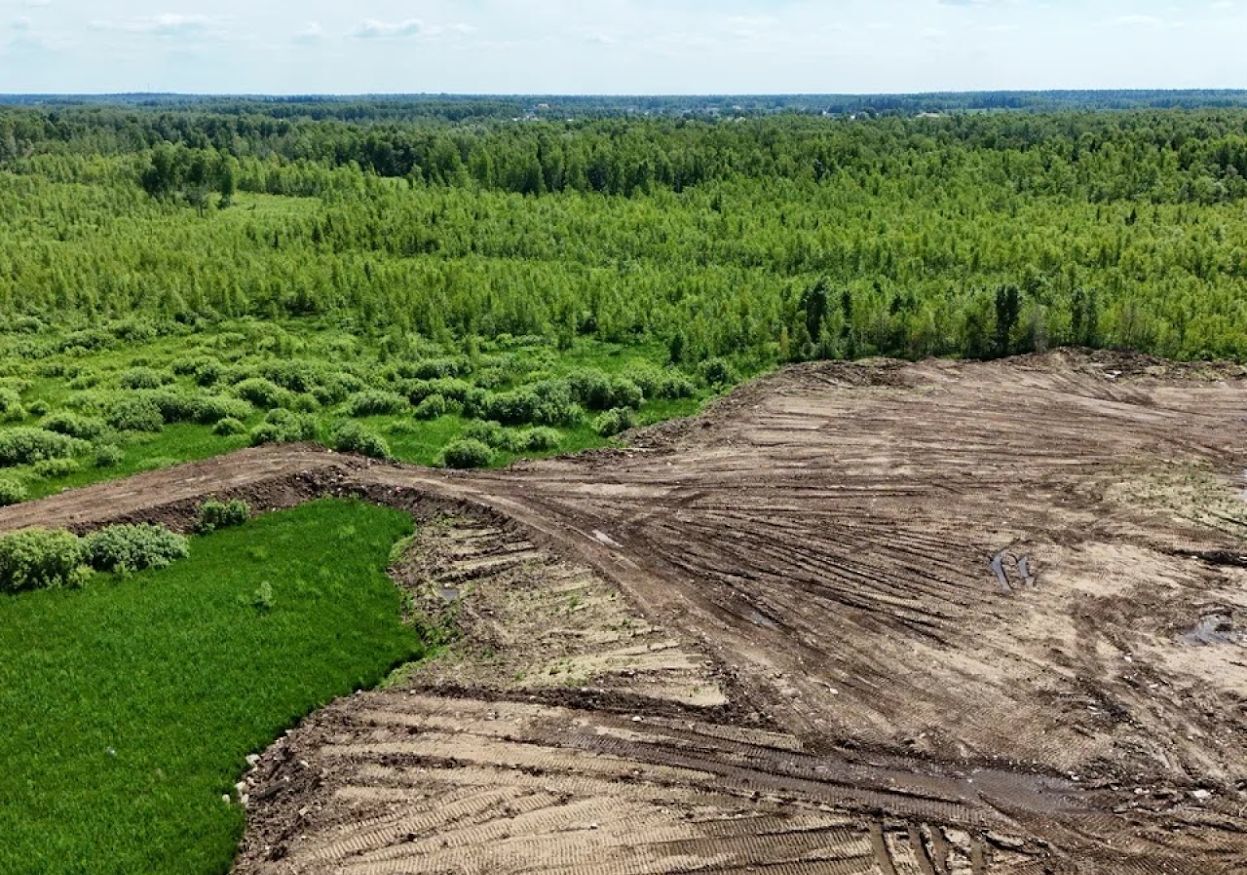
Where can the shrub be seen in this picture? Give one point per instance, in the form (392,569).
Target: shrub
(85,381)
(38,407)
(375,403)
(108,456)
(430,369)
(41,559)
(351,437)
(199,407)
(263,393)
(467,453)
(489,433)
(283,427)
(11,491)
(22,446)
(206,371)
(50,468)
(597,391)
(11,408)
(535,440)
(74,425)
(133,547)
(188,367)
(545,403)
(661,383)
(215,515)
(450,388)
(432,407)
(336,387)
(591,387)
(717,372)
(135,413)
(144,378)
(612,422)
(297,376)
(229,426)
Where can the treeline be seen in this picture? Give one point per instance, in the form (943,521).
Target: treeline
(1156,156)
(968,235)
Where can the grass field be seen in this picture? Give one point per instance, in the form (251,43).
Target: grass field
(129,707)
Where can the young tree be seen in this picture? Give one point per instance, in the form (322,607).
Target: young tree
(1008,306)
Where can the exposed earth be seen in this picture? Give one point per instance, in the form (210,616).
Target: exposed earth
(904,619)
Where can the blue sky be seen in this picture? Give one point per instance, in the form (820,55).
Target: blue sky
(618,46)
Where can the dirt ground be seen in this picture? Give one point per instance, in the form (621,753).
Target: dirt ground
(907,619)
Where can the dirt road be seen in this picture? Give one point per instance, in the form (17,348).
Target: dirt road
(877,618)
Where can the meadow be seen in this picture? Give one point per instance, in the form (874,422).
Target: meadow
(130,705)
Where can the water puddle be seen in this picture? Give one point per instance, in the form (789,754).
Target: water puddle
(1215,628)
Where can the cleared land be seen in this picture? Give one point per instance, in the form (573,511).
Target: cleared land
(871,618)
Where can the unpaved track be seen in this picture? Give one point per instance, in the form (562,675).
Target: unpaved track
(882,618)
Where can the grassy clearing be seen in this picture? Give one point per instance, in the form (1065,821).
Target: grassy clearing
(129,707)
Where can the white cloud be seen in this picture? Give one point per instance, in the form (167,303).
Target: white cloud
(21,23)
(1139,21)
(168,24)
(371,28)
(311,33)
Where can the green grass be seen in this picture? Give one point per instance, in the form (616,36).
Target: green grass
(129,707)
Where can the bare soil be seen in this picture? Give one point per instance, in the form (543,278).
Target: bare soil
(908,619)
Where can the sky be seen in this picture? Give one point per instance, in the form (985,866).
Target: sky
(618,46)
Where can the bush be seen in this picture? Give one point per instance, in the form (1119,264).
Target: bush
(597,391)
(50,468)
(41,559)
(662,383)
(135,413)
(108,456)
(11,491)
(22,446)
(432,407)
(263,393)
(489,433)
(546,403)
(336,387)
(535,440)
(144,378)
(451,389)
(375,403)
(612,422)
(717,372)
(11,408)
(351,437)
(431,369)
(215,515)
(283,427)
(84,381)
(467,453)
(133,547)
(198,407)
(84,427)
(38,407)
(297,376)
(229,426)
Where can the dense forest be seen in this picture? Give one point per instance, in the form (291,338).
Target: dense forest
(334,259)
